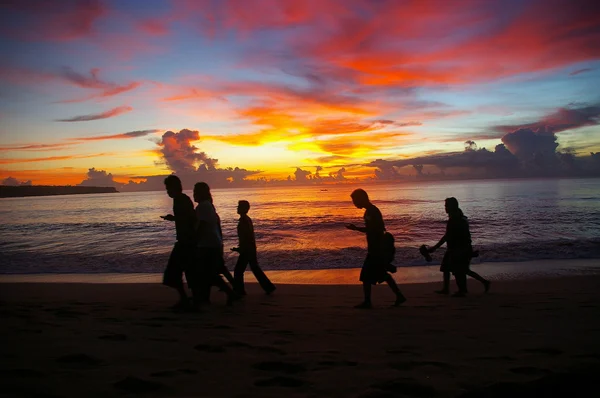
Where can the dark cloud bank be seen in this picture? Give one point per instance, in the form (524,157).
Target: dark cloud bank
(528,150)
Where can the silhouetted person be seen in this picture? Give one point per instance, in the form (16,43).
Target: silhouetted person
(247,251)
(222,268)
(374,269)
(210,243)
(183,254)
(457,258)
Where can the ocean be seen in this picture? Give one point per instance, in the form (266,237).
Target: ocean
(302,227)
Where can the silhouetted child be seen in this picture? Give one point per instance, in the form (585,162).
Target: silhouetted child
(182,258)
(457,258)
(375,267)
(210,243)
(247,251)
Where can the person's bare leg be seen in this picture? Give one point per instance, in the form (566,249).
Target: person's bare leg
(446,286)
(461,282)
(485,282)
(367,293)
(392,284)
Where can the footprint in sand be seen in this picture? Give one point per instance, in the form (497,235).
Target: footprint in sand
(402,351)
(280,381)
(221,327)
(210,348)
(237,344)
(24,373)
(544,350)
(278,366)
(79,360)
(172,373)
(272,350)
(136,385)
(335,364)
(529,371)
(281,342)
(410,365)
(376,394)
(588,356)
(149,324)
(68,313)
(113,337)
(574,384)
(162,318)
(281,332)
(164,339)
(496,358)
(406,387)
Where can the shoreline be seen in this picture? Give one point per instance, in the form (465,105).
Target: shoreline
(495,271)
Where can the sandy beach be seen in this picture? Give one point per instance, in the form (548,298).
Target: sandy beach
(78,339)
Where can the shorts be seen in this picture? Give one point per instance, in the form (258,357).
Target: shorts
(182,260)
(374,270)
(456,262)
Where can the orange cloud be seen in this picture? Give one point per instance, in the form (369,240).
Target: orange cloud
(35,147)
(49,158)
(58,176)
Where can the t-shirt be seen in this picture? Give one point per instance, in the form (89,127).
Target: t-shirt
(209,230)
(245,230)
(185,218)
(458,236)
(375,228)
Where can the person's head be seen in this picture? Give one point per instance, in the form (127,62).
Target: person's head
(451,206)
(173,185)
(243,207)
(360,198)
(202,192)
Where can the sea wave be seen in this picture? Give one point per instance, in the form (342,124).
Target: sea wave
(147,259)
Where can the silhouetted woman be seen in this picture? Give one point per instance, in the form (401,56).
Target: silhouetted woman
(210,243)
(457,258)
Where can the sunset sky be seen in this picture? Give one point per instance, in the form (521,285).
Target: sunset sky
(281,88)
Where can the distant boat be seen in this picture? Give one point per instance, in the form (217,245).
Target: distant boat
(323,190)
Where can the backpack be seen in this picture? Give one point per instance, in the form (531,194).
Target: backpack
(388,249)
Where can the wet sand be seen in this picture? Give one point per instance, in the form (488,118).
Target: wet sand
(525,338)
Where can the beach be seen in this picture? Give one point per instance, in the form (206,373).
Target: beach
(533,335)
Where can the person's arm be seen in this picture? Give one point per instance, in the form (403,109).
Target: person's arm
(437,245)
(353,227)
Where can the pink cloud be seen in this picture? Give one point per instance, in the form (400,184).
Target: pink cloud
(90,81)
(560,120)
(104,115)
(121,136)
(412,43)
(155,27)
(47,21)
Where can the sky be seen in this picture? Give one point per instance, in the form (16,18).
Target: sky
(237,92)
